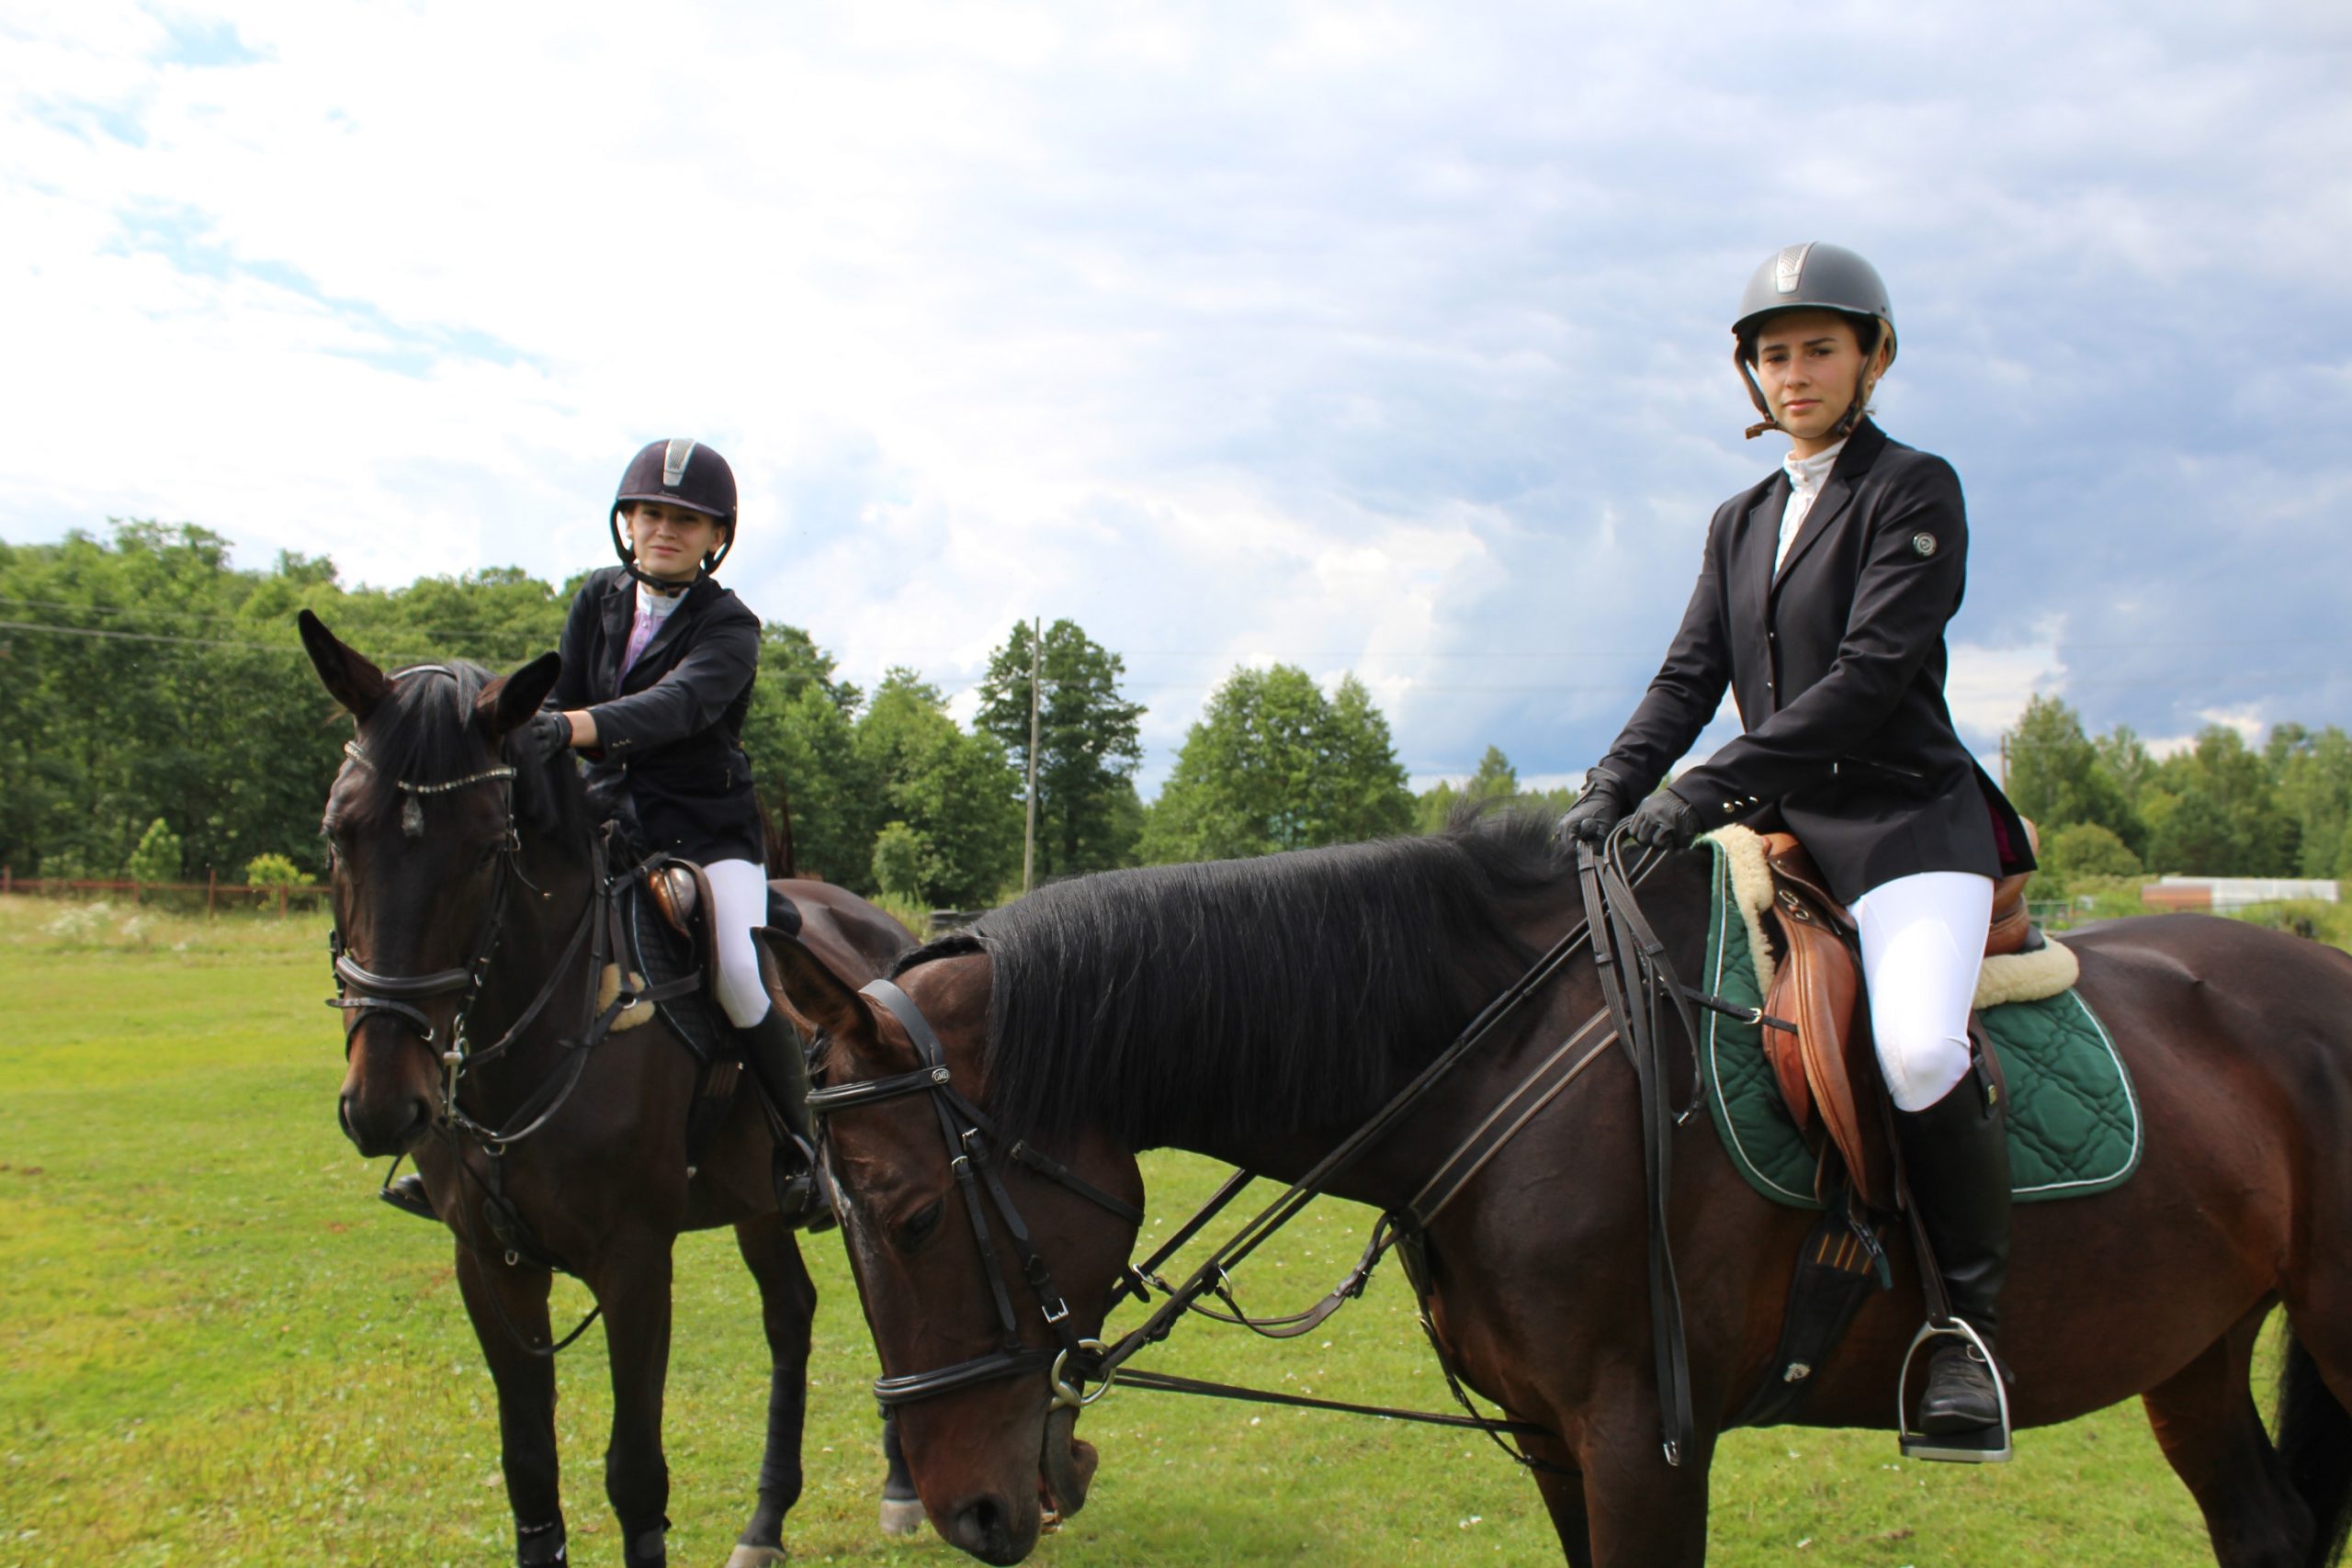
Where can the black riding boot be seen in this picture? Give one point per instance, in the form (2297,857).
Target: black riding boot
(773,1051)
(1957,1155)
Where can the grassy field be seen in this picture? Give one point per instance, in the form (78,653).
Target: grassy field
(220,1349)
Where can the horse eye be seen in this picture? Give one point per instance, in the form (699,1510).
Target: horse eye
(917,1230)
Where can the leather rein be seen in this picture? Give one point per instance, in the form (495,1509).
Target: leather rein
(1637,983)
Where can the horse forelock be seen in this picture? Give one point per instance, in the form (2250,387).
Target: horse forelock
(423,733)
(1205,1004)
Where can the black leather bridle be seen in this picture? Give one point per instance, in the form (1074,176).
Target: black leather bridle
(971,1139)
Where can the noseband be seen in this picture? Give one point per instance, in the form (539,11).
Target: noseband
(971,1139)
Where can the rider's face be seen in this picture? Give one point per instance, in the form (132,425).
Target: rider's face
(671,541)
(1810,367)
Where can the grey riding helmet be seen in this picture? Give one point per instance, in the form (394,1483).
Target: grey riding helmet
(1811,276)
(677,473)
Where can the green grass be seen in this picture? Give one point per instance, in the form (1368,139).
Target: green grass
(220,1349)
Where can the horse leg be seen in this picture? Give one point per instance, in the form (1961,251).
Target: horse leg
(509,1308)
(2207,1425)
(787,1302)
(2315,1413)
(1642,1512)
(1563,1491)
(634,1287)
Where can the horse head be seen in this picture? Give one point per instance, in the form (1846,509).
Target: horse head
(418,825)
(987,1442)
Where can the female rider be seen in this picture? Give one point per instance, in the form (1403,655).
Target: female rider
(1822,602)
(658,660)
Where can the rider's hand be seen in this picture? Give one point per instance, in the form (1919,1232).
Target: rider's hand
(549,734)
(1600,808)
(1665,821)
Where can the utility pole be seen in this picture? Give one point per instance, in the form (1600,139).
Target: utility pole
(1029,833)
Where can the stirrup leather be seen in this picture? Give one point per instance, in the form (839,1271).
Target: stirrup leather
(1988,1445)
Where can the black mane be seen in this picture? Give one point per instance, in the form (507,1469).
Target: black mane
(1202,1004)
(421,732)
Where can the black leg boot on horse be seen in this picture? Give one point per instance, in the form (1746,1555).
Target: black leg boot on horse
(779,1062)
(1956,1153)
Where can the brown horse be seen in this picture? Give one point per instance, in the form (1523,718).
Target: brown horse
(464,883)
(1256,1012)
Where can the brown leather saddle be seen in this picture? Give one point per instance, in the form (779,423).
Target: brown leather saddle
(1828,1071)
(681,893)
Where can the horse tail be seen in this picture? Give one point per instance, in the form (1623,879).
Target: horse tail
(2315,1443)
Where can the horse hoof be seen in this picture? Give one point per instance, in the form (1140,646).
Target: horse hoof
(900,1517)
(756,1557)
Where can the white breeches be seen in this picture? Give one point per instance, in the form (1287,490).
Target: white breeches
(1923,941)
(740,889)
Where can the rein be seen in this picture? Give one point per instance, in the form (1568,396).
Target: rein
(360,991)
(1636,979)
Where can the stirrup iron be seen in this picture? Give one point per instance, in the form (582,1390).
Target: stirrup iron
(1986,1445)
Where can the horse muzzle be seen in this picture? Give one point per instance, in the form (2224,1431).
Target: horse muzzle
(380,1125)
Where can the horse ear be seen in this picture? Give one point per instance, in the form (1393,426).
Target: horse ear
(508,703)
(811,995)
(348,677)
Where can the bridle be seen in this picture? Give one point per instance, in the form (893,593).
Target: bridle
(1639,988)
(970,1138)
(360,991)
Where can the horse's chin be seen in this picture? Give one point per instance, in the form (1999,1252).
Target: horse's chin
(1066,1465)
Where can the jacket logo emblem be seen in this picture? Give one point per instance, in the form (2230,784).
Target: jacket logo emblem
(1923,543)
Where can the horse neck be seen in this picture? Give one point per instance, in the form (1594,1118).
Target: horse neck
(1674,899)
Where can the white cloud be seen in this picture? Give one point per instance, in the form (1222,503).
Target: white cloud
(1381,338)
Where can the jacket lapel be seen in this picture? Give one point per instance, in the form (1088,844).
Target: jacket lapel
(666,636)
(618,610)
(1827,507)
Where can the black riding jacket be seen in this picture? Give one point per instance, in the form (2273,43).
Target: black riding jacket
(669,764)
(1838,664)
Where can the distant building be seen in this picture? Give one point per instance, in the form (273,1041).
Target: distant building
(2222,894)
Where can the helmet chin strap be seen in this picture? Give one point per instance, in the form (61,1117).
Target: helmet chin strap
(1856,411)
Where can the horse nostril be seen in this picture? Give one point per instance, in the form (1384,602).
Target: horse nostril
(981,1529)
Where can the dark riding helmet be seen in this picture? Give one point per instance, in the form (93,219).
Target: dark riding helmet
(677,472)
(1812,277)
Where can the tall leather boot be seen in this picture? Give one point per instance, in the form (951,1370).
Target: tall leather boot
(773,1051)
(1957,1155)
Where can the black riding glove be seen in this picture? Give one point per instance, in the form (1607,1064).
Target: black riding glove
(1665,821)
(1600,808)
(549,734)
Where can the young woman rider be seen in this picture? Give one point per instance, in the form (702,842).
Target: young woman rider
(1821,603)
(658,660)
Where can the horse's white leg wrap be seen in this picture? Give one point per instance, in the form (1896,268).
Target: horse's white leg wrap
(740,889)
(1923,941)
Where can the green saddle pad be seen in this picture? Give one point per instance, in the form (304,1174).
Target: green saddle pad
(2073,1122)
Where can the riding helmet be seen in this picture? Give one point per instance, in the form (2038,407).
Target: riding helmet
(678,472)
(1811,276)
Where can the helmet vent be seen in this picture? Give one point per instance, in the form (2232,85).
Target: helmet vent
(1786,273)
(676,455)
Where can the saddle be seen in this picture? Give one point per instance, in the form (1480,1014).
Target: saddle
(1828,1069)
(681,893)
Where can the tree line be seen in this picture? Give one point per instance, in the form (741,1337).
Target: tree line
(146,680)
(2221,807)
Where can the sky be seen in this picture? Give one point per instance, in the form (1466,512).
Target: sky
(1389,339)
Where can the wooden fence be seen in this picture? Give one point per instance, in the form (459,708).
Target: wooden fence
(211,893)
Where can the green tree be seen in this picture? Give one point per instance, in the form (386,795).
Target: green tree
(2315,776)
(1274,764)
(157,858)
(957,790)
(1495,779)
(2085,849)
(1088,744)
(800,733)
(2055,775)
(2229,820)
(900,860)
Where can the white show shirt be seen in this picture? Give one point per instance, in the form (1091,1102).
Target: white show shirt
(1806,476)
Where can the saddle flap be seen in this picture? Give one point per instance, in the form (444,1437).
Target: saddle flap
(682,893)
(1825,1070)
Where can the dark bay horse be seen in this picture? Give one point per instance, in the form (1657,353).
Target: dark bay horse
(445,864)
(1258,1011)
